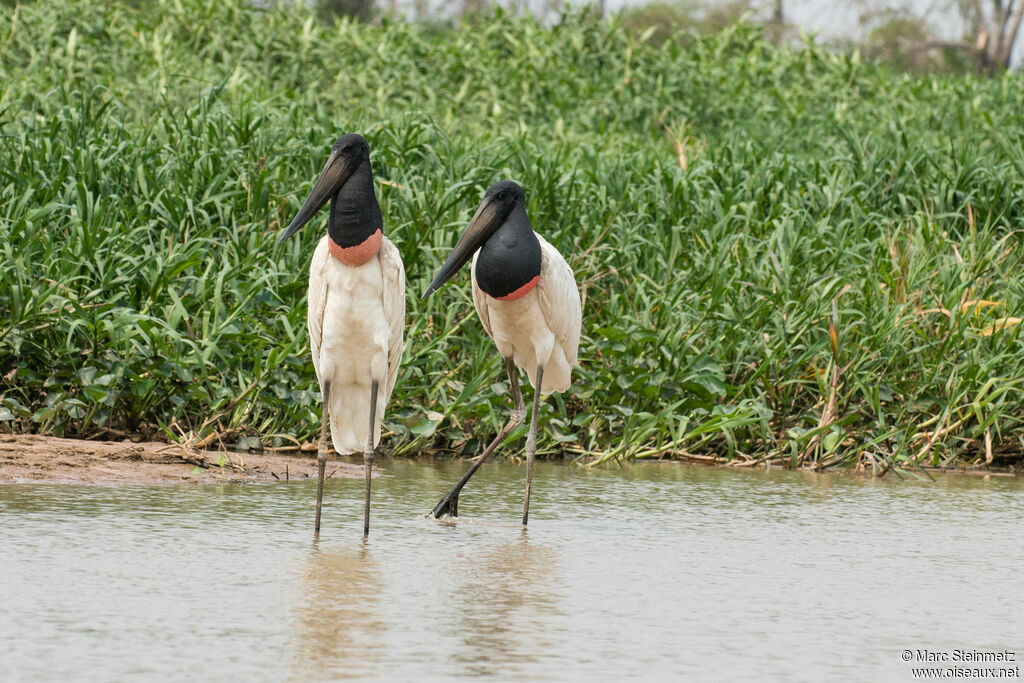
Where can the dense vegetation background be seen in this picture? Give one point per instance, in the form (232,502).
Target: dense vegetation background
(783,253)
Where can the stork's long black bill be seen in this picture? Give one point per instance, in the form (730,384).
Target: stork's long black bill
(483,225)
(335,173)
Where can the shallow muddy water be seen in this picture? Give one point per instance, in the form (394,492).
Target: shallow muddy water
(654,570)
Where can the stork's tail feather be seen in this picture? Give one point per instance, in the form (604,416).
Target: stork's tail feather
(350,407)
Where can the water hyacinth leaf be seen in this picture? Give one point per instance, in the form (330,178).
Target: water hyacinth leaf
(97,393)
(14,406)
(303,397)
(73,407)
(422,427)
(141,387)
(831,440)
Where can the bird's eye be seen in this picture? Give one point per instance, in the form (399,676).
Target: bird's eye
(501,195)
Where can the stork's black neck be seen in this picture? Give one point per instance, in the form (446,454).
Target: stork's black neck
(509,261)
(355,213)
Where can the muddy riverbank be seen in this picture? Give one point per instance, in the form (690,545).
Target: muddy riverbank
(32,458)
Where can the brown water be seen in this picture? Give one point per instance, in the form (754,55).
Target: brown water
(641,572)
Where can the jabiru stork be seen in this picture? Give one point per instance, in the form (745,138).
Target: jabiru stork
(526,296)
(356,314)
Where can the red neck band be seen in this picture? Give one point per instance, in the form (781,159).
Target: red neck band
(360,253)
(522,291)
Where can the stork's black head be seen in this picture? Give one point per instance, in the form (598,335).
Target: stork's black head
(347,153)
(352,146)
(504,195)
(500,200)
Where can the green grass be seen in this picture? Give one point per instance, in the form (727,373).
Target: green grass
(149,158)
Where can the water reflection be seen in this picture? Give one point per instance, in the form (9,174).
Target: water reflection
(336,625)
(504,601)
(659,571)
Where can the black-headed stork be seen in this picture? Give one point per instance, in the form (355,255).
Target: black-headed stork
(526,296)
(356,308)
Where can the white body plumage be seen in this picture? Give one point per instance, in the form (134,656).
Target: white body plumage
(540,328)
(356,321)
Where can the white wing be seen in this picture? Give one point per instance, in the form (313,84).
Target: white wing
(317,298)
(394,307)
(560,300)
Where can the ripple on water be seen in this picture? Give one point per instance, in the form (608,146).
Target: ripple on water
(624,573)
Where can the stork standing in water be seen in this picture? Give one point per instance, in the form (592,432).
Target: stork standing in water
(356,308)
(527,300)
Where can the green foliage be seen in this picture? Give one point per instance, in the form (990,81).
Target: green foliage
(152,154)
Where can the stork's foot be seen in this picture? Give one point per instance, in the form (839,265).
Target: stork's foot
(449,505)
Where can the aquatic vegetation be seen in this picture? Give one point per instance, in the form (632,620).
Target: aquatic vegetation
(782,252)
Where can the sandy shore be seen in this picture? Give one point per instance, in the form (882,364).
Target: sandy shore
(30,458)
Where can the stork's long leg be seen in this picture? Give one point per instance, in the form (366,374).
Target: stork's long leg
(321,451)
(449,505)
(368,458)
(531,442)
